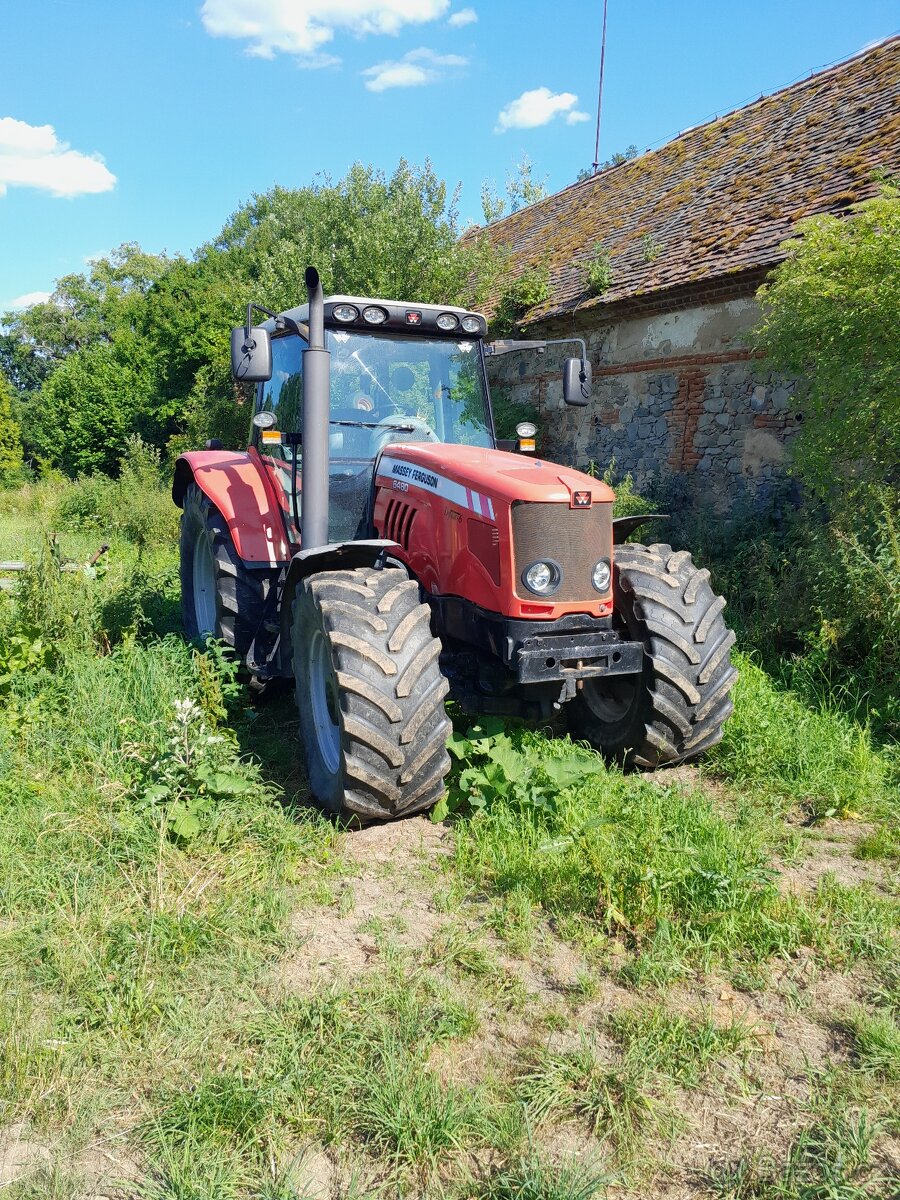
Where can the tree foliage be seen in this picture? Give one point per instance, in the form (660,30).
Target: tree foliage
(139,344)
(10,441)
(830,315)
(522,189)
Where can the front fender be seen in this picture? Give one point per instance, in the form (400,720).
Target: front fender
(238,485)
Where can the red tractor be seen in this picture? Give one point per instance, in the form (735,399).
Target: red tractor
(375,545)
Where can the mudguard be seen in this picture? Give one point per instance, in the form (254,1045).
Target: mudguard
(238,485)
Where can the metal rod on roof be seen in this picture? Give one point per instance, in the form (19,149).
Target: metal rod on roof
(600,90)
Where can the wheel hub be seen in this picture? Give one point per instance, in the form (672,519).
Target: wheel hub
(324,702)
(204,578)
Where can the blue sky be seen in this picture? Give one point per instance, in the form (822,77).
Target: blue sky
(122,120)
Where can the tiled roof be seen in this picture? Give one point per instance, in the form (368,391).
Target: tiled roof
(719,198)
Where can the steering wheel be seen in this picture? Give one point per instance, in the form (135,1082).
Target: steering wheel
(393,428)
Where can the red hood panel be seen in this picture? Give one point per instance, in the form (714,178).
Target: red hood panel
(506,476)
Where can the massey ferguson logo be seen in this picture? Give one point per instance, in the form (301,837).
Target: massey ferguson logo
(581,499)
(414,318)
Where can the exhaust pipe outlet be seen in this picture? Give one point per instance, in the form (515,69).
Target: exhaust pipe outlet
(316,411)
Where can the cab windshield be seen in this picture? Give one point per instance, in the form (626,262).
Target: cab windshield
(386,388)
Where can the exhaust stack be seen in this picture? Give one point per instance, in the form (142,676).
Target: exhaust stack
(316,410)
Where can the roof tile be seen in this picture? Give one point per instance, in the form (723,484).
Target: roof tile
(723,196)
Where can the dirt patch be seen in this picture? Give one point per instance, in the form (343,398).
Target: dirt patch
(390,895)
(828,849)
(20,1155)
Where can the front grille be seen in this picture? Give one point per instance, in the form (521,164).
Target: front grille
(574,538)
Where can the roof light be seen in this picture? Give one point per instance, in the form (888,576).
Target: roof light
(471,324)
(345,312)
(447,321)
(375,316)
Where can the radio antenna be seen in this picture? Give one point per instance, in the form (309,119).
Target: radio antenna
(600,91)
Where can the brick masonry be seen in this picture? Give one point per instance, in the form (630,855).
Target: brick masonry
(678,398)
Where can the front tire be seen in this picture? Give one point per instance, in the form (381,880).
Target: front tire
(677,707)
(370,694)
(220,597)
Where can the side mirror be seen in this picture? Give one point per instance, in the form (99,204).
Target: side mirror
(251,354)
(577,382)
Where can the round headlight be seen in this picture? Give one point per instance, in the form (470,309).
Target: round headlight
(602,575)
(345,312)
(542,577)
(375,316)
(447,321)
(264,419)
(471,324)
(525,429)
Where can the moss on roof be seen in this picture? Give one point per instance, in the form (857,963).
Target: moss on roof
(723,196)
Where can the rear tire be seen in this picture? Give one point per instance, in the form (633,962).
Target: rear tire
(677,707)
(220,597)
(370,694)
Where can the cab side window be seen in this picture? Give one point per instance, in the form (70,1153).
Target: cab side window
(283,394)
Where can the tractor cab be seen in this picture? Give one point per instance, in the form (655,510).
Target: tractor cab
(397,374)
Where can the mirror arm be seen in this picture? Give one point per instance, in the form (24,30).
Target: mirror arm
(281,321)
(506,346)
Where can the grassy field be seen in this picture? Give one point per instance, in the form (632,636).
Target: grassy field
(683,984)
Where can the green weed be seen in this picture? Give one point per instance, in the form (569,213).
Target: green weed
(619,1101)
(533,1179)
(814,757)
(876,1042)
(829,1161)
(679,1047)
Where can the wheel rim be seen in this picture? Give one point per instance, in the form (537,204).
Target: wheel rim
(611,699)
(204,587)
(324,703)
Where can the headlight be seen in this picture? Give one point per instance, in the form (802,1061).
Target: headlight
(471,324)
(447,321)
(542,577)
(602,575)
(526,429)
(375,316)
(345,312)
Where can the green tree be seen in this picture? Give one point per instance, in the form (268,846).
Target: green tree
(522,189)
(10,441)
(830,315)
(95,398)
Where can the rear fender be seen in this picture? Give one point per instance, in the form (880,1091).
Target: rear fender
(336,556)
(238,485)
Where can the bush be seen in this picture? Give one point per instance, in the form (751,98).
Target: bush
(530,289)
(137,506)
(599,273)
(830,315)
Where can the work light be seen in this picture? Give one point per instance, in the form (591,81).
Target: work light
(447,321)
(345,312)
(471,324)
(542,577)
(601,575)
(375,316)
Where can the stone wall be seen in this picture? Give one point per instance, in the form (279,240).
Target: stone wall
(677,397)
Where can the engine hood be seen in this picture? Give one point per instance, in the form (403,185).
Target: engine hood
(493,473)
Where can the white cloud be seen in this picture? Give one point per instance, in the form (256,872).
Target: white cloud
(539,107)
(28,299)
(33,156)
(465,16)
(303,27)
(414,69)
